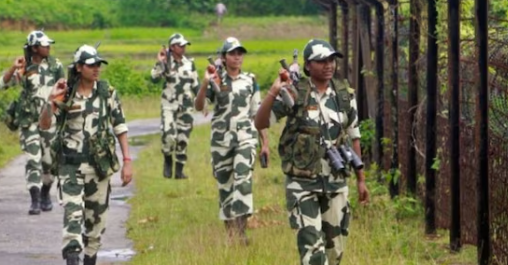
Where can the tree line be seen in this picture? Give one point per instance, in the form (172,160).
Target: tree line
(71,14)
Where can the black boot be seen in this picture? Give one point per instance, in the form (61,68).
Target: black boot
(179,171)
(90,260)
(72,258)
(168,166)
(46,204)
(35,194)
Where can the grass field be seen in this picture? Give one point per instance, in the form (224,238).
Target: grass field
(180,223)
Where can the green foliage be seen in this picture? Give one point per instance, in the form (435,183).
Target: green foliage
(277,8)
(368,130)
(122,75)
(175,13)
(54,14)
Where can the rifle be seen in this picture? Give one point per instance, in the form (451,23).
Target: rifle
(167,66)
(217,69)
(27,53)
(292,74)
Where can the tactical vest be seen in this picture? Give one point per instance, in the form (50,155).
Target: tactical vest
(27,111)
(300,146)
(102,151)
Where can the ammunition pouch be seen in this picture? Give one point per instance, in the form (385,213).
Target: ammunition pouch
(103,155)
(10,117)
(56,152)
(301,155)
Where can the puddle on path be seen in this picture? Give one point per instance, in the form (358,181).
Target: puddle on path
(116,254)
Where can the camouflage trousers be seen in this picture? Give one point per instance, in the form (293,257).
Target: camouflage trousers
(176,127)
(85,199)
(232,168)
(36,144)
(322,222)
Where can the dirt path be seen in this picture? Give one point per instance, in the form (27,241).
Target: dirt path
(36,240)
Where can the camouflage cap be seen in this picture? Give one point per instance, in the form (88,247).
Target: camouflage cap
(178,38)
(37,37)
(316,50)
(232,43)
(87,54)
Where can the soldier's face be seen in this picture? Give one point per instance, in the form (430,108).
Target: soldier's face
(234,59)
(322,69)
(43,51)
(178,50)
(90,72)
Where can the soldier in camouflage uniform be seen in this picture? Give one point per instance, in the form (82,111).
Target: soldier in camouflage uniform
(37,77)
(180,86)
(83,129)
(324,116)
(233,137)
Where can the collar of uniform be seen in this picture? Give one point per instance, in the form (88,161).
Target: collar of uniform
(329,92)
(241,75)
(184,59)
(94,90)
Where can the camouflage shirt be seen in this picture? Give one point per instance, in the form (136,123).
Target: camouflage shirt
(82,120)
(332,122)
(180,85)
(38,80)
(235,107)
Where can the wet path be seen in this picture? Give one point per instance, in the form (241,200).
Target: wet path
(36,240)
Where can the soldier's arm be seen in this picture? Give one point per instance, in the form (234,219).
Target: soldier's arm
(116,115)
(353,129)
(157,72)
(205,92)
(195,79)
(7,79)
(45,118)
(272,108)
(14,71)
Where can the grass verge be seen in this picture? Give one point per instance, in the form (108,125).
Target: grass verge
(177,221)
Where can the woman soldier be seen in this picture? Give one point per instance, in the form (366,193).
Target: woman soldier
(233,137)
(38,72)
(319,123)
(85,151)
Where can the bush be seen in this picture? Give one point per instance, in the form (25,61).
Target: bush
(122,75)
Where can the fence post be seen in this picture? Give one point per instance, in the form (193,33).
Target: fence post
(454,120)
(482,134)
(430,151)
(394,183)
(379,53)
(333,24)
(414,51)
(345,38)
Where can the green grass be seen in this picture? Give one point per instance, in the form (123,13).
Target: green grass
(180,223)
(9,145)
(143,107)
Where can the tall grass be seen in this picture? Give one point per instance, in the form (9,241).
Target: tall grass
(176,221)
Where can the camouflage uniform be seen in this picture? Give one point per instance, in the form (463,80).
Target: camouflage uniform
(318,204)
(233,141)
(37,82)
(180,86)
(85,194)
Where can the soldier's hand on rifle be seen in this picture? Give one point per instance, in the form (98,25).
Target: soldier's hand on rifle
(161,56)
(19,63)
(281,81)
(59,90)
